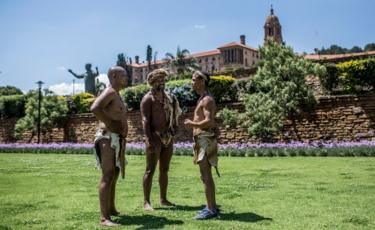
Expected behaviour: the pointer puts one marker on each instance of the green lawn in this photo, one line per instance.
(40, 191)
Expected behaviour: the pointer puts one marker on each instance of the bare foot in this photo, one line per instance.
(108, 223)
(147, 207)
(166, 203)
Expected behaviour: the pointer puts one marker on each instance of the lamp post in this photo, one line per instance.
(74, 86)
(40, 83)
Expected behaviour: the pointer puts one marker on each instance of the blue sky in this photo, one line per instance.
(39, 39)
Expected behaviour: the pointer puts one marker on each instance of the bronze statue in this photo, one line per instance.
(160, 111)
(110, 141)
(205, 141)
(89, 78)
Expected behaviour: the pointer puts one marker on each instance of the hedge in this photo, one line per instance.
(351, 77)
(221, 87)
(12, 106)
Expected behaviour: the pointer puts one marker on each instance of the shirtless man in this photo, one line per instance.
(205, 141)
(159, 111)
(110, 110)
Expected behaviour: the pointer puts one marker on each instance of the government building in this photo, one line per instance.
(235, 54)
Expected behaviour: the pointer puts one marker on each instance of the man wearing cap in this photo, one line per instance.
(160, 111)
(110, 142)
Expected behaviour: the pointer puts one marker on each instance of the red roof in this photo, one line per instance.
(232, 44)
(318, 57)
(206, 53)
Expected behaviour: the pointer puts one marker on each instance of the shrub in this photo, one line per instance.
(357, 75)
(280, 91)
(330, 80)
(83, 101)
(222, 88)
(133, 95)
(12, 106)
(228, 116)
(9, 90)
(53, 114)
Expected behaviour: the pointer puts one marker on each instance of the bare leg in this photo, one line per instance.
(112, 207)
(208, 181)
(152, 156)
(165, 159)
(108, 175)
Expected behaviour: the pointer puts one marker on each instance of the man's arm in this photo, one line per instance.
(75, 75)
(146, 118)
(97, 71)
(98, 109)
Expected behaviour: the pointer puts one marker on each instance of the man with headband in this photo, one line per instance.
(111, 112)
(160, 111)
(205, 141)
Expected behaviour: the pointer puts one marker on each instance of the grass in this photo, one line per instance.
(55, 191)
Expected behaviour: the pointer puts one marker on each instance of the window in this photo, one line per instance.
(213, 59)
(270, 31)
(206, 59)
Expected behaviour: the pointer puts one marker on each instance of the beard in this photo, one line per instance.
(160, 87)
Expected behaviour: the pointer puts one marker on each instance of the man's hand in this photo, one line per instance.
(96, 69)
(188, 123)
(70, 71)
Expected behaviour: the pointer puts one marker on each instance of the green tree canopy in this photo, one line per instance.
(9, 90)
(280, 91)
(181, 62)
(53, 114)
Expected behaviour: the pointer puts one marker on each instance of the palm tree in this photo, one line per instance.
(182, 62)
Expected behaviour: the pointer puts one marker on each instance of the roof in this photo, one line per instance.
(232, 44)
(206, 53)
(322, 57)
(145, 64)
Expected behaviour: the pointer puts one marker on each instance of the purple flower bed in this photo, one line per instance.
(359, 148)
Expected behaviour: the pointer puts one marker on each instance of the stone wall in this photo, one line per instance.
(339, 118)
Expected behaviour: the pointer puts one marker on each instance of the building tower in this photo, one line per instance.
(272, 29)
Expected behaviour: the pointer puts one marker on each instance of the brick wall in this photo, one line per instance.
(335, 118)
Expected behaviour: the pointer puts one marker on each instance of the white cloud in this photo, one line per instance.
(200, 27)
(67, 88)
(103, 78)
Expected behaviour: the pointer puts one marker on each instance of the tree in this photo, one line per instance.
(356, 49)
(280, 91)
(126, 63)
(149, 57)
(53, 114)
(182, 62)
(9, 90)
(369, 47)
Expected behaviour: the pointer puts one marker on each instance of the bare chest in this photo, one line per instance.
(117, 107)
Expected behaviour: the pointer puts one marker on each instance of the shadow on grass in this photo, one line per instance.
(147, 221)
(182, 208)
(244, 217)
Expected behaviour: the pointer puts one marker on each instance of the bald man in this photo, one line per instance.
(110, 141)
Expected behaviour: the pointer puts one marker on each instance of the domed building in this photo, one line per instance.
(272, 29)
